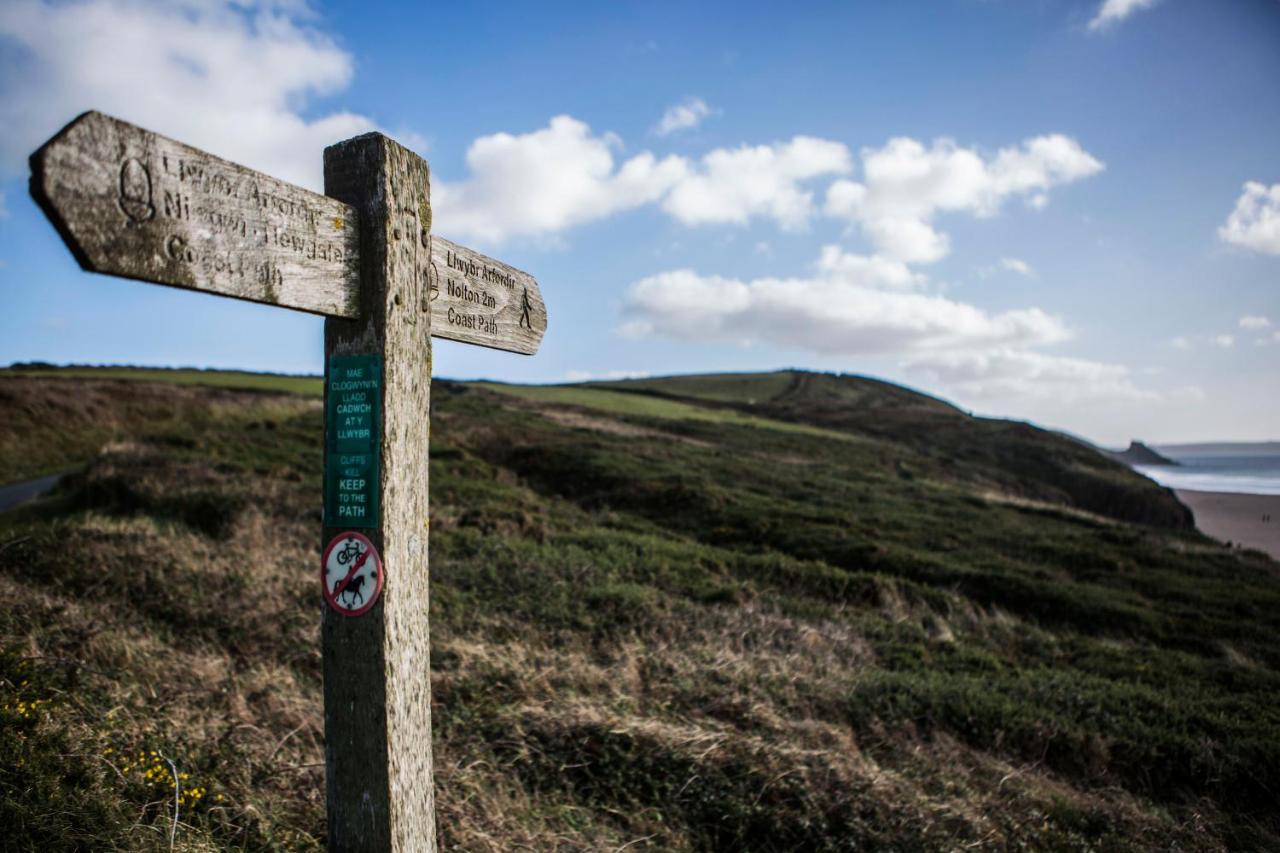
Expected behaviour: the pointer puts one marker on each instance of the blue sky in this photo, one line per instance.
(1062, 211)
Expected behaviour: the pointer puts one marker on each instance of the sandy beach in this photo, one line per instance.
(1237, 518)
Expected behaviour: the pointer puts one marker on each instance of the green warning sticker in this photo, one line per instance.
(352, 440)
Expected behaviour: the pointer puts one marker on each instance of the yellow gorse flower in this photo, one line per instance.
(24, 709)
(154, 771)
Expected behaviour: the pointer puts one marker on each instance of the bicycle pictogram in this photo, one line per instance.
(349, 551)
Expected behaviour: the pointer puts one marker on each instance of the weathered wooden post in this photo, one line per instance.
(132, 203)
(377, 680)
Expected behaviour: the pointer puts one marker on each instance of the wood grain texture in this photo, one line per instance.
(132, 203)
(479, 300)
(377, 681)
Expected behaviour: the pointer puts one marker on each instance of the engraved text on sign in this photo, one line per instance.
(137, 204)
(479, 300)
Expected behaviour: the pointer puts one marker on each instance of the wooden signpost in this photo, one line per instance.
(132, 203)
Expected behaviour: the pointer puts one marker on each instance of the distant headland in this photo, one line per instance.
(1139, 454)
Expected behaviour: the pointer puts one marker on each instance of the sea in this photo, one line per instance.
(1245, 468)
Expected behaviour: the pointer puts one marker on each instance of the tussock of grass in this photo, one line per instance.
(667, 631)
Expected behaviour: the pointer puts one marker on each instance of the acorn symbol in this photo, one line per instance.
(135, 191)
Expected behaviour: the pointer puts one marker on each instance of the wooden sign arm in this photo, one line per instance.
(135, 204)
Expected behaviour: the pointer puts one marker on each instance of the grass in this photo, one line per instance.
(239, 380)
(720, 387)
(72, 418)
(643, 406)
(654, 623)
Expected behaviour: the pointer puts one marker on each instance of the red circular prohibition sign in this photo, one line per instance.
(351, 574)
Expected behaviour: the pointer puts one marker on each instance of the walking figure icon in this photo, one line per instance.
(525, 321)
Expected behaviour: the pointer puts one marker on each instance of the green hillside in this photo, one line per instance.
(240, 380)
(1011, 455)
(784, 611)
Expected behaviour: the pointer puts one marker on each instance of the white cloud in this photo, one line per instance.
(1255, 222)
(1025, 374)
(1017, 266)
(1181, 343)
(542, 182)
(1112, 12)
(874, 271)
(687, 114)
(1254, 322)
(1013, 265)
(226, 76)
(853, 304)
(906, 184)
(732, 185)
(1224, 341)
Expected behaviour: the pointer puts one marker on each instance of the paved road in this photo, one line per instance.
(19, 493)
